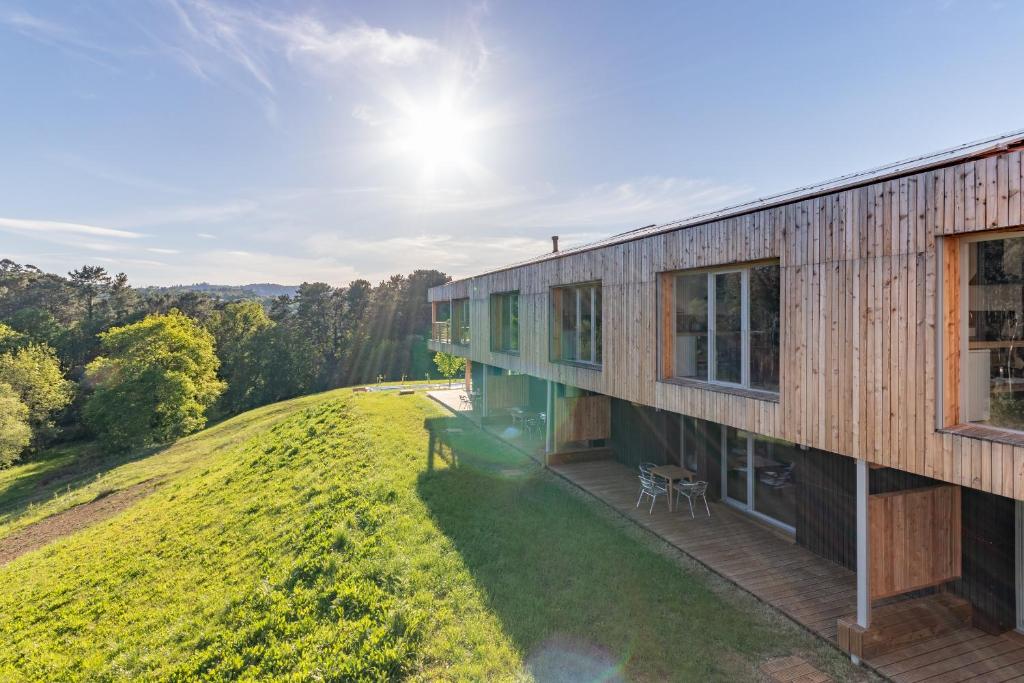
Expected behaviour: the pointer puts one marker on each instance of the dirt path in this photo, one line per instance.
(65, 523)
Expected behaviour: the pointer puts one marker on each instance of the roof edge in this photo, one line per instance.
(925, 162)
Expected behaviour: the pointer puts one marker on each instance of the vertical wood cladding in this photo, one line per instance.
(860, 296)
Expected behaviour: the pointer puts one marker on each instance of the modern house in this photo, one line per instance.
(844, 363)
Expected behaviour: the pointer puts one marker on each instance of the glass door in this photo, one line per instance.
(735, 466)
(758, 476)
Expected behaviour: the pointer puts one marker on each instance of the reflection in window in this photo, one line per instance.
(576, 313)
(773, 465)
(995, 332)
(764, 327)
(727, 326)
(460, 321)
(691, 359)
(505, 322)
(736, 464)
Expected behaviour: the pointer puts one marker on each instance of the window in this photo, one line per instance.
(460, 322)
(992, 331)
(759, 475)
(727, 326)
(505, 322)
(576, 323)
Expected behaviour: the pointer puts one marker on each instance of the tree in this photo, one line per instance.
(15, 433)
(449, 365)
(90, 282)
(32, 373)
(153, 382)
(237, 330)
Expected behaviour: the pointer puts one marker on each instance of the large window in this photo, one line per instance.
(460, 322)
(505, 322)
(576, 323)
(992, 331)
(727, 326)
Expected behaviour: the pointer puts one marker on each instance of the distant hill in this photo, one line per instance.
(258, 290)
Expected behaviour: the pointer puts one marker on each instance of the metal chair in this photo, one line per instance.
(650, 486)
(464, 402)
(693, 489)
(646, 467)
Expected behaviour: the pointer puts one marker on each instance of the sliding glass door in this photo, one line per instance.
(758, 476)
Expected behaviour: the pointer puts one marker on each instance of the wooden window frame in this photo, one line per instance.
(953, 341)
(555, 323)
(667, 295)
(496, 322)
(456, 338)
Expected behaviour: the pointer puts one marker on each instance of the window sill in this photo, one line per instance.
(756, 394)
(507, 352)
(986, 433)
(578, 364)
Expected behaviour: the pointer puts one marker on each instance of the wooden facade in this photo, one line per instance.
(865, 313)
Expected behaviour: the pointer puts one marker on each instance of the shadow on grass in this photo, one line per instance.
(61, 469)
(581, 598)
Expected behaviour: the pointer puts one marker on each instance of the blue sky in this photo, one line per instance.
(218, 140)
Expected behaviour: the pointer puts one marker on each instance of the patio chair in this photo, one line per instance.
(646, 467)
(649, 486)
(464, 402)
(693, 489)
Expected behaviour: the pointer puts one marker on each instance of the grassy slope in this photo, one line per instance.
(332, 545)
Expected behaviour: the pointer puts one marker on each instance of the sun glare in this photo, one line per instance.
(438, 139)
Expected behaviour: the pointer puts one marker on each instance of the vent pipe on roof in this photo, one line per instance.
(554, 244)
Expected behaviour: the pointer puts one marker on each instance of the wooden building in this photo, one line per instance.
(845, 361)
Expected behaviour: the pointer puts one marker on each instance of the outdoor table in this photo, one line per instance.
(518, 415)
(672, 474)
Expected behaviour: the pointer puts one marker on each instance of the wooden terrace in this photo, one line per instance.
(809, 589)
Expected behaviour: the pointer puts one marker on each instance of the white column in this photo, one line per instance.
(549, 420)
(863, 551)
(485, 370)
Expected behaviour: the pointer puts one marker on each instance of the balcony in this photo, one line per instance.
(441, 331)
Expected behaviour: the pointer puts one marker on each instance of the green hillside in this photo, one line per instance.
(317, 539)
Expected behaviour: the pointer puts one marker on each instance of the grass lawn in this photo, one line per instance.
(329, 538)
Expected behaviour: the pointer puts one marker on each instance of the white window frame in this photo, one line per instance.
(712, 378)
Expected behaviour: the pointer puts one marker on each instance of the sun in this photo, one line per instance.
(438, 138)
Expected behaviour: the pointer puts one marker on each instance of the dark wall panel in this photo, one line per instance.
(826, 512)
(988, 559)
(642, 434)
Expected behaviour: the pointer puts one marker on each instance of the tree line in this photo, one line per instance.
(89, 355)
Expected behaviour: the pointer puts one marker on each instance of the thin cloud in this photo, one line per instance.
(49, 227)
(161, 250)
(206, 236)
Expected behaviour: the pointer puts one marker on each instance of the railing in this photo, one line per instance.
(441, 331)
(462, 335)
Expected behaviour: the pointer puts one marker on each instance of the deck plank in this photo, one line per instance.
(807, 588)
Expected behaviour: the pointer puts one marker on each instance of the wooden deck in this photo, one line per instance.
(809, 589)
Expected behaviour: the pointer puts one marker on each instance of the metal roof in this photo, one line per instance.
(916, 164)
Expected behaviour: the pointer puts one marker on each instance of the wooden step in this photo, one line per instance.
(792, 669)
(566, 457)
(898, 624)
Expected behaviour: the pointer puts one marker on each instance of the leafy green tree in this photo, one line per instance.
(33, 374)
(237, 330)
(448, 365)
(15, 433)
(154, 382)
